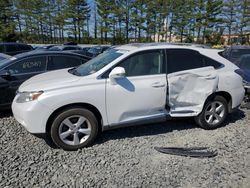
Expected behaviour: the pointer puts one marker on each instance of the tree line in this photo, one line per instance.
(123, 21)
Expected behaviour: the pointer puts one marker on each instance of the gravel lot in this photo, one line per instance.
(126, 158)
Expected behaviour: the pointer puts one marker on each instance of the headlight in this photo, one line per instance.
(28, 96)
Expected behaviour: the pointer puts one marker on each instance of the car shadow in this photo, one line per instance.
(176, 124)
(6, 113)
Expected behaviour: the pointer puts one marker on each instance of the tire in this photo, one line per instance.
(74, 128)
(212, 116)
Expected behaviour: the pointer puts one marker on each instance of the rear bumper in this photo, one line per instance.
(32, 115)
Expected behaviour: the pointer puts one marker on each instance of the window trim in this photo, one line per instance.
(102, 76)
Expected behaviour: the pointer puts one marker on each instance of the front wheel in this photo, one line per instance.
(214, 113)
(74, 128)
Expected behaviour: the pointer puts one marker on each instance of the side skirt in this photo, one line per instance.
(157, 119)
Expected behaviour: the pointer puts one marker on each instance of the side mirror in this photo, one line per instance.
(117, 72)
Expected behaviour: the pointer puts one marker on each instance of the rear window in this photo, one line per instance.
(183, 59)
(12, 48)
(210, 62)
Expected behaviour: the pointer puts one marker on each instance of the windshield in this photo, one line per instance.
(5, 62)
(236, 53)
(245, 63)
(97, 63)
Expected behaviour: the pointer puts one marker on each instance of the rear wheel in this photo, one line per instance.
(74, 128)
(214, 113)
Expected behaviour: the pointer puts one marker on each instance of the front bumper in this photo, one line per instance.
(32, 115)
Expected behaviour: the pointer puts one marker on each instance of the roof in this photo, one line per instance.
(135, 46)
(14, 43)
(37, 52)
(240, 47)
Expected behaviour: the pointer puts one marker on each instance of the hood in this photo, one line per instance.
(48, 81)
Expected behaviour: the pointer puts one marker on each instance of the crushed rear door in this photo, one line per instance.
(189, 89)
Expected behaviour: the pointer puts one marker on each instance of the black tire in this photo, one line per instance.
(58, 125)
(201, 119)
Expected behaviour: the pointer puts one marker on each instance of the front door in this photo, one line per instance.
(141, 95)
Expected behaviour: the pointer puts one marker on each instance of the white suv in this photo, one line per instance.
(129, 85)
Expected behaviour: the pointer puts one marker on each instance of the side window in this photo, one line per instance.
(183, 59)
(22, 47)
(210, 62)
(61, 62)
(11, 48)
(28, 65)
(1, 48)
(146, 63)
(69, 48)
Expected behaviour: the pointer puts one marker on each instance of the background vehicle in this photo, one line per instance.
(17, 69)
(129, 85)
(96, 50)
(69, 48)
(44, 48)
(65, 48)
(85, 50)
(244, 71)
(14, 48)
(4, 56)
(234, 53)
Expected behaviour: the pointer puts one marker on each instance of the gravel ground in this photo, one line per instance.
(126, 158)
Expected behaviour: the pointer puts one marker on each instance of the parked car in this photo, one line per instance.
(234, 53)
(244, 71)
(4, 56)
(65, 48)
(95, 51)
(17, 69)
(85, 50)
(14, 48)
(129, 85)
(45, 47)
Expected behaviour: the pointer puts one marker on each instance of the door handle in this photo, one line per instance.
(158, 84)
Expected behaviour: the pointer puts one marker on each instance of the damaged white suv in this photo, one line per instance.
(129, 85)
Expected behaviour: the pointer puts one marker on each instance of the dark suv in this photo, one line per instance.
(14, 48)
(234, 53)
(15, 70)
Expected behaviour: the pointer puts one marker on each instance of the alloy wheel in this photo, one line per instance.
(214, 112)
(74, 130)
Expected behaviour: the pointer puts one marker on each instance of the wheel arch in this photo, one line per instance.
(87, 106)
(223, 94)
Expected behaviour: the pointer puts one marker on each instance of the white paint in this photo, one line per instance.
(188, 90)
(131, 98)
